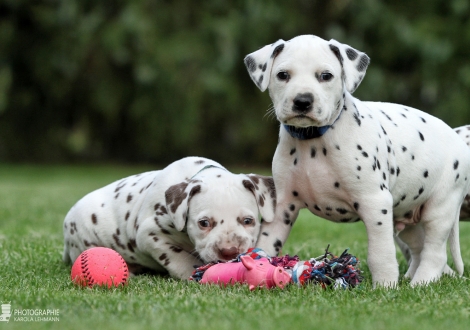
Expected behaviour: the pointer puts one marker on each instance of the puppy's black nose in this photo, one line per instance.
(303, 102)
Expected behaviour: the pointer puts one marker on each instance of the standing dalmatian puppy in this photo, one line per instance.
(396, 168)
(192, 212)
(464, 133)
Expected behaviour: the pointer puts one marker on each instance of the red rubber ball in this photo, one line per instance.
(100, 266)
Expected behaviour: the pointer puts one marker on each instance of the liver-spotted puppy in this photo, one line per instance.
(192, 212)
(395, 167)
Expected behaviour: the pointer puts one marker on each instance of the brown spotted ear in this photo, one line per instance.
(260, 63)
(262, 187)
(353, 62)
(177, 199)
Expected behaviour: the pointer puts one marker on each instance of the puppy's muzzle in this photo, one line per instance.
(303, 103)
(228, 254)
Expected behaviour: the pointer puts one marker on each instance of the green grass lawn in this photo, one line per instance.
(34, 201)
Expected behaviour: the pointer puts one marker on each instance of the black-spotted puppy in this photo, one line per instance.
(464, 133)
(192, 212)
(394, 167)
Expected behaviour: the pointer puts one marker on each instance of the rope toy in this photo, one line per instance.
(257, 269)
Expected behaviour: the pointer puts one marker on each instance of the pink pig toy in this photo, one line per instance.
(255, 273)
(257, 269)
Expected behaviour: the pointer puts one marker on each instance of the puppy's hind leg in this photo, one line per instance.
(438, 225)
(413, 237)
(454, 244)
(404, 249)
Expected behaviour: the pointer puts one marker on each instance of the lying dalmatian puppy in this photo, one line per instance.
(345, 160)
(192, 212)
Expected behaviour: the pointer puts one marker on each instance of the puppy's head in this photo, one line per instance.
(220, 211)
(307, 78)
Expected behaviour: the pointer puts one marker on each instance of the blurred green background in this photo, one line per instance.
(150, 81)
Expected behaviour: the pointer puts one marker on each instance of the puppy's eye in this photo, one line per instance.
(283, 75)
(247, 221)
(204, 223)
(326, 76)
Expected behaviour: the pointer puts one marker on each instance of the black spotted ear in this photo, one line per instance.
(262, 187)
(260, 63)
(353, 62)
(177, 199)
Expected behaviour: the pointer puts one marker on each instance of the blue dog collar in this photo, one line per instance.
(310, 132)
(306, 133)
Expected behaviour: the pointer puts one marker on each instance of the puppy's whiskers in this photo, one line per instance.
(271, 112)
(194, 253)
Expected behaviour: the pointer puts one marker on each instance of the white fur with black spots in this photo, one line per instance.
(399, 170)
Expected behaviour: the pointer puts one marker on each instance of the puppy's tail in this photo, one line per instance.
(66, 255)
(454, 245)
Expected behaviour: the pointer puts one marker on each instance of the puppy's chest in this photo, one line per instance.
(317, 180)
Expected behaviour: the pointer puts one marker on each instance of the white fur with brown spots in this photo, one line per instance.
(192, 212)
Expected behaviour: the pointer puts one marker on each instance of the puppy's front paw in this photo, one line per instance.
(386, 284)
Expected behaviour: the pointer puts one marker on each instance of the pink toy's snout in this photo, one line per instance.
(280, 277)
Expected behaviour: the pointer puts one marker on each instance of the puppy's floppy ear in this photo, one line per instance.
(262, 187)
(353, 62)
(260, 63)
(177, 199)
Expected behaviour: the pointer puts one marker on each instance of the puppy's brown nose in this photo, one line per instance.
(230, 253)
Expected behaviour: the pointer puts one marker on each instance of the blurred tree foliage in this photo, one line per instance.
(153, 80)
